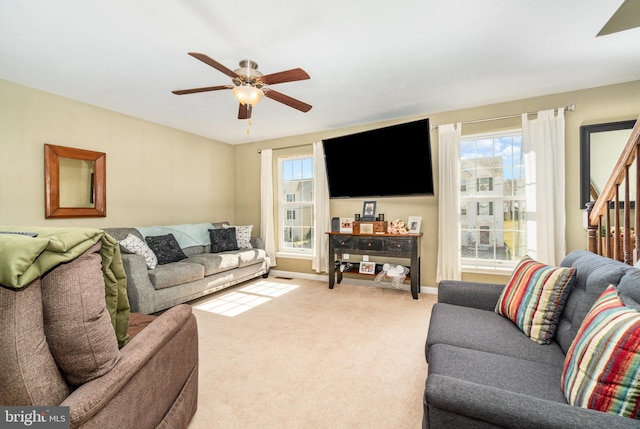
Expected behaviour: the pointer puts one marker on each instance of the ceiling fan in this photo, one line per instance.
(249, 85)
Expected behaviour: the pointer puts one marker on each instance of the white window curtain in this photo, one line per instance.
(449, 202)
(543, 148)
(267, 228)
(322, 216)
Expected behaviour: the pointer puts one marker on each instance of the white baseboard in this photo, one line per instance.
(325, 277)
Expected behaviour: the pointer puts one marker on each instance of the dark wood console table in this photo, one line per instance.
(389, 245)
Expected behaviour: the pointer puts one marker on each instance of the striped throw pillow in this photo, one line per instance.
(534, 298)
(602, 367)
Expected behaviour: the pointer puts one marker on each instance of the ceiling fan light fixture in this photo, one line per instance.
(247, 94)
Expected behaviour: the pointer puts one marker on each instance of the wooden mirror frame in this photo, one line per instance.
(52, 209)
(585, 154)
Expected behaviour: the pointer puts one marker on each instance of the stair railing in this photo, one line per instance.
(604, 238)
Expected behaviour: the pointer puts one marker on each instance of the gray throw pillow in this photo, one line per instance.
(223, 240)
(166, 248)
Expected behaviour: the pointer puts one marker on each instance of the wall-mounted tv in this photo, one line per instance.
(392, 161)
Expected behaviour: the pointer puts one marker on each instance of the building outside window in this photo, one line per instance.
(492, 201)
(296, 205)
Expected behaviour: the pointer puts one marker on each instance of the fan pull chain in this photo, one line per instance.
(249, 127)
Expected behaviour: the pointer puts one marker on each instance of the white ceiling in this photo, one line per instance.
(369, 61)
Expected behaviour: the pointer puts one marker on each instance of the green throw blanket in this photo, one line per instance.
(24, 258)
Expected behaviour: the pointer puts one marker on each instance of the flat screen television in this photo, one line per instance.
(392, 161)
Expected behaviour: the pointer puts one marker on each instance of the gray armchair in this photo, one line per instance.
(59, 347)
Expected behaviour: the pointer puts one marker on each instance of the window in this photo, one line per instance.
(296, 205)
(492, 201)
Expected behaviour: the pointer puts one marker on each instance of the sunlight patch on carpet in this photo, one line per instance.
(248, 297)
(269, 288)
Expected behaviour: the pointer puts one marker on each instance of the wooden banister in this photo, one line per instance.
(616, 242)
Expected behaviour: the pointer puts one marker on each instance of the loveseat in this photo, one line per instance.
(69, 340)
(484, 371)
(198, 269)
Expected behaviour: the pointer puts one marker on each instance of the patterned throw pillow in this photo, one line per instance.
(134, 245)
(534, 298)
(243, 235)
(166, 248)
(602, 365)
(223, 239)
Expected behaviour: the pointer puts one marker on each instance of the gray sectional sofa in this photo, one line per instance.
(201, 273)
(483, 372)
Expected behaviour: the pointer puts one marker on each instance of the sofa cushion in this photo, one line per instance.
(29, 374)
(196, 250)
(76, 320)
(135, 245)
(175, 273)
(223, 240)
(250, 256)
(243, 235)
(594, 274)
(484, 330)
(216, 262)
(498, 371)
(628, 289)
(534, 298)
(601, 369)
(166, 248)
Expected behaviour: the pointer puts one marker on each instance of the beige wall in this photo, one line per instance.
(155, 174)
(159, 175)
(597, 105)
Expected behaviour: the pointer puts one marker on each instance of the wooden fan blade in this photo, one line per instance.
(289, 101)
(203, 89)
(285, 76)
(245, 111)
(213, 63)
(626, 17)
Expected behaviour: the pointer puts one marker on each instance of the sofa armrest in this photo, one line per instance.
(502, 408)
(140, 290)
(483, 296)
(152, 371)
(257, 243)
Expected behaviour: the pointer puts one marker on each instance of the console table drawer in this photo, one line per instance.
(342, 242)
(371, 243)
(400, 246)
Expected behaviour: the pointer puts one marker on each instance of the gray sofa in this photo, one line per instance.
(202, 273)
(483, 372)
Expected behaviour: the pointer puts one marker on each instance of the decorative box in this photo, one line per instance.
(370, 227)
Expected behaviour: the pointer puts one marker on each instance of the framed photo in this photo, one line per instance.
(369, 210)
(414, 224)
(346, 225)
(366, 228)
(367, 268)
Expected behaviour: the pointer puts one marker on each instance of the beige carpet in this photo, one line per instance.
(310, 357)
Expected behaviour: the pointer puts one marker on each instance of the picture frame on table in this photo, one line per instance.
(369, 210)
(366, 228)
(367, 267)
(414, 223)
(346, 225)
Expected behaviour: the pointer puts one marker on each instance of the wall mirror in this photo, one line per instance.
(600, 148)
(74, 182)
